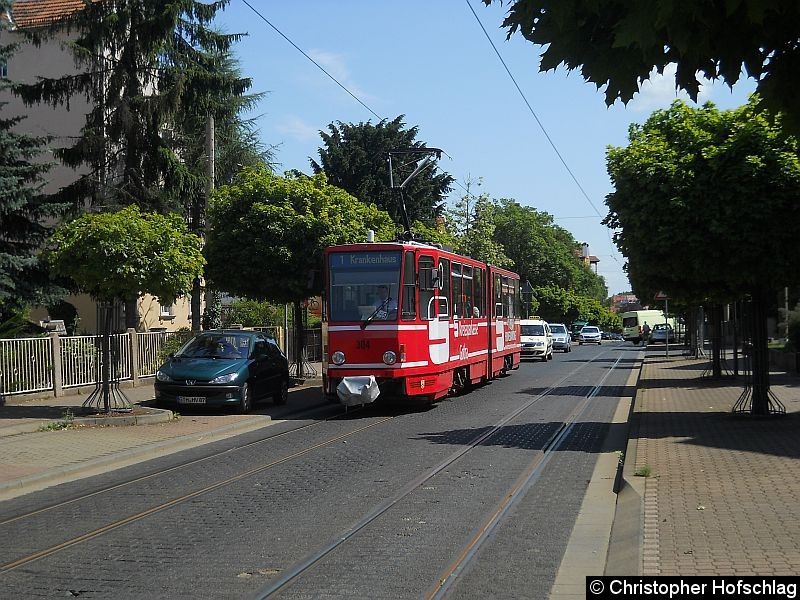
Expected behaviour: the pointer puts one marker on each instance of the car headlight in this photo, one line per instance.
(225, 378)
(389, 357)
(161, 376)
(338, 358)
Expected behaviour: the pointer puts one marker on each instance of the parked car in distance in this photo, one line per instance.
(536, 338)
(662, 333)
(562, 340)
(589, 335)
(224, 368)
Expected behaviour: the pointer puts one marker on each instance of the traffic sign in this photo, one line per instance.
(661, 296)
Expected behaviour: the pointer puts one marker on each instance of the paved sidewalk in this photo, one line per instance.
(723, 494)
(32, 459)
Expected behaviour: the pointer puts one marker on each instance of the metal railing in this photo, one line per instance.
(31, 364)
(26, 365)
(153, 348)
(80, 360)
(313, 345)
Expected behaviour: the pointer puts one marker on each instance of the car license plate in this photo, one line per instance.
(191, 400)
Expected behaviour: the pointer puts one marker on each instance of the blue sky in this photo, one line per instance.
(430, 61)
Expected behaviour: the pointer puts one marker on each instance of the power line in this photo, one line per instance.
(336, 81)
(535, 116)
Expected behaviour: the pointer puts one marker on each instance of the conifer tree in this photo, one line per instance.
(140, 62)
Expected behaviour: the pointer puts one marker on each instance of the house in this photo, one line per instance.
(61, 124)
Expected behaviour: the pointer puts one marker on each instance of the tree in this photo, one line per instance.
(565, 306)
(269, 234)
(478, 234)
(543, 252)
(618, 43)
(140, 62)
(707, 204)
(354, 159)
(25, 210)
(113, 256)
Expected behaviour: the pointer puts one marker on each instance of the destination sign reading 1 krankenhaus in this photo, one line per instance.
(365, 260)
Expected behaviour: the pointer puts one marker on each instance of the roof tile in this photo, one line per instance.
(40, 13)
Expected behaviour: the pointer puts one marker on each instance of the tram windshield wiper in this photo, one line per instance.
(369, 319)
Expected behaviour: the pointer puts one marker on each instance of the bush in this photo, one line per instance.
(251, 313)
(173, 343)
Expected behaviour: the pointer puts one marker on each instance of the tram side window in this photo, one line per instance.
(409, 308)
(456, 276)
(497, 296)
(426, 288)
(477, 296)
(444, 291)
(506, 297)
(517, 299)
(467, 302)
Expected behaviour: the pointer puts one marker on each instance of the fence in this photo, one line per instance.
(55, 363)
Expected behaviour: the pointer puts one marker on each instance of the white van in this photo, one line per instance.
(634, 320)
(537, 339)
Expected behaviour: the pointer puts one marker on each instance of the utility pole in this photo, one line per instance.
(199, 220)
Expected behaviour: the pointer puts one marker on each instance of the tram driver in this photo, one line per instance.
(385, 305)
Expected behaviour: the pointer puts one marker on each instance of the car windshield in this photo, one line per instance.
(217, 345)
(558, 329)
(590, 330)
(532, 330)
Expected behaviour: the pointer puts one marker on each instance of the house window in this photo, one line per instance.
(167, 312)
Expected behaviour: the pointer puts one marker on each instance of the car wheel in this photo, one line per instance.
(282, 395)
(246, 402)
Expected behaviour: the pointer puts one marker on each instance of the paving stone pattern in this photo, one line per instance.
(723, 496)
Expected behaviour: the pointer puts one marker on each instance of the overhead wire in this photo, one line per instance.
(533, 112)
(536, 117)
(377, 116)
(320, 67)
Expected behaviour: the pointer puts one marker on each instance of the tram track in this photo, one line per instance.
(180, 499)
(184, 465)
(519, 488)
(222, 483)
(451, 576)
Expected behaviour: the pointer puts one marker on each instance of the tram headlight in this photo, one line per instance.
(338, 358)
(389, 357)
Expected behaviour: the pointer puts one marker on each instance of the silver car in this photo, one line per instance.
(590, 335)
(561, 337)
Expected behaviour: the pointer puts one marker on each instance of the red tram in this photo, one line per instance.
(446, 323)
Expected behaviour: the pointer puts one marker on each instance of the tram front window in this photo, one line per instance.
(364, 285)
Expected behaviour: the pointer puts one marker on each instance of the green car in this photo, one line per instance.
(224, 368)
